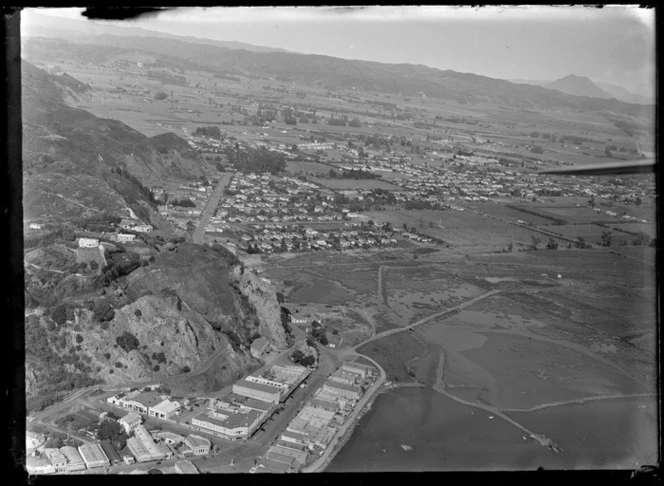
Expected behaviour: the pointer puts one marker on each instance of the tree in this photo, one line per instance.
(552, 244)
(607, 152)
(510, 246)
(114, 432)
(59, 315)
(535, 242)
(103, 311)
(606, 238)
(127, 341)
(160, 95)
(591, 202)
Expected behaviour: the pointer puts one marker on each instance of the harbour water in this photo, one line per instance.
(443, 435)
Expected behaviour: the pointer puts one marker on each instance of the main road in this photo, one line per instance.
(199, 234)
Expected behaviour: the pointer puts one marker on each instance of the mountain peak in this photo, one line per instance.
(578, 86)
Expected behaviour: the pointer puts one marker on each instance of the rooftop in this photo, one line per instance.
(92, 452)
(149, 399)
(197, 441)
(167, 406)
(258, 387)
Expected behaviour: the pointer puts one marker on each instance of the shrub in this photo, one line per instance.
(79, 338)
(138, 313)
(59, 315)
(127, 341)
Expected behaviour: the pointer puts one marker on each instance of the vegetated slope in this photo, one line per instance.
(331, 72)
(578, 86)
(136, 320)
(69, 154)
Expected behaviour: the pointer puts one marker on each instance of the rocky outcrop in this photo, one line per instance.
(263, 296)
(170, 338)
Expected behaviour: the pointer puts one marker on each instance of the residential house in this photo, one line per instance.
(88, 242)
(130, 421)
(200, 446)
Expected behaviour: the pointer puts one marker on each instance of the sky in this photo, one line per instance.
(614, 44)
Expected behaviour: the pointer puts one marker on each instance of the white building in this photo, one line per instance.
(165, 409)
(88, 242)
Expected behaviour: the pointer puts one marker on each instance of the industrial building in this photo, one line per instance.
(341, 389)
(355, 367)
(93, 455)
(229, 424)
(74, 459)
(259, 391)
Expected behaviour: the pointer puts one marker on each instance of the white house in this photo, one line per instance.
(88, 242)
(125, 237)
(35, 226)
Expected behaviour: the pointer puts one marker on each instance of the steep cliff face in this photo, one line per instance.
(169, 336)
(263, 296)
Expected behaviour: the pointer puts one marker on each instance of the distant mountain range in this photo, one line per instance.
(583, 86)
(97, 46)
(71, 29)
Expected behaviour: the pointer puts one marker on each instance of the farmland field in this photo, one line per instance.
(502, 211)
(295, 167)
(465, 229)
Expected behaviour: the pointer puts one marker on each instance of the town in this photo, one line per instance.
(188, 431)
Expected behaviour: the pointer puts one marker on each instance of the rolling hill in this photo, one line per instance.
(71, 157)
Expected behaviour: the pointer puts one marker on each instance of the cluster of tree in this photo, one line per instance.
(66, 234)
(127, 341)
(184, 203)
(40, 346)
(606, 238)
(356, 174)
(252, 249)
(103, 311)
(115, 270)
(581, 243)
(418, 204)
(318, 332)
(145, 191)
(228, 255)
(300, 358)
(536, 149)
(256, 160)
(211, 132)
(114, 432)
(160, 96)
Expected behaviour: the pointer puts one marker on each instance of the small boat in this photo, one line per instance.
(406, 447)
(490, 417)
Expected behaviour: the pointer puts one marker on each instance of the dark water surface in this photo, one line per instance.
(448, 436)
